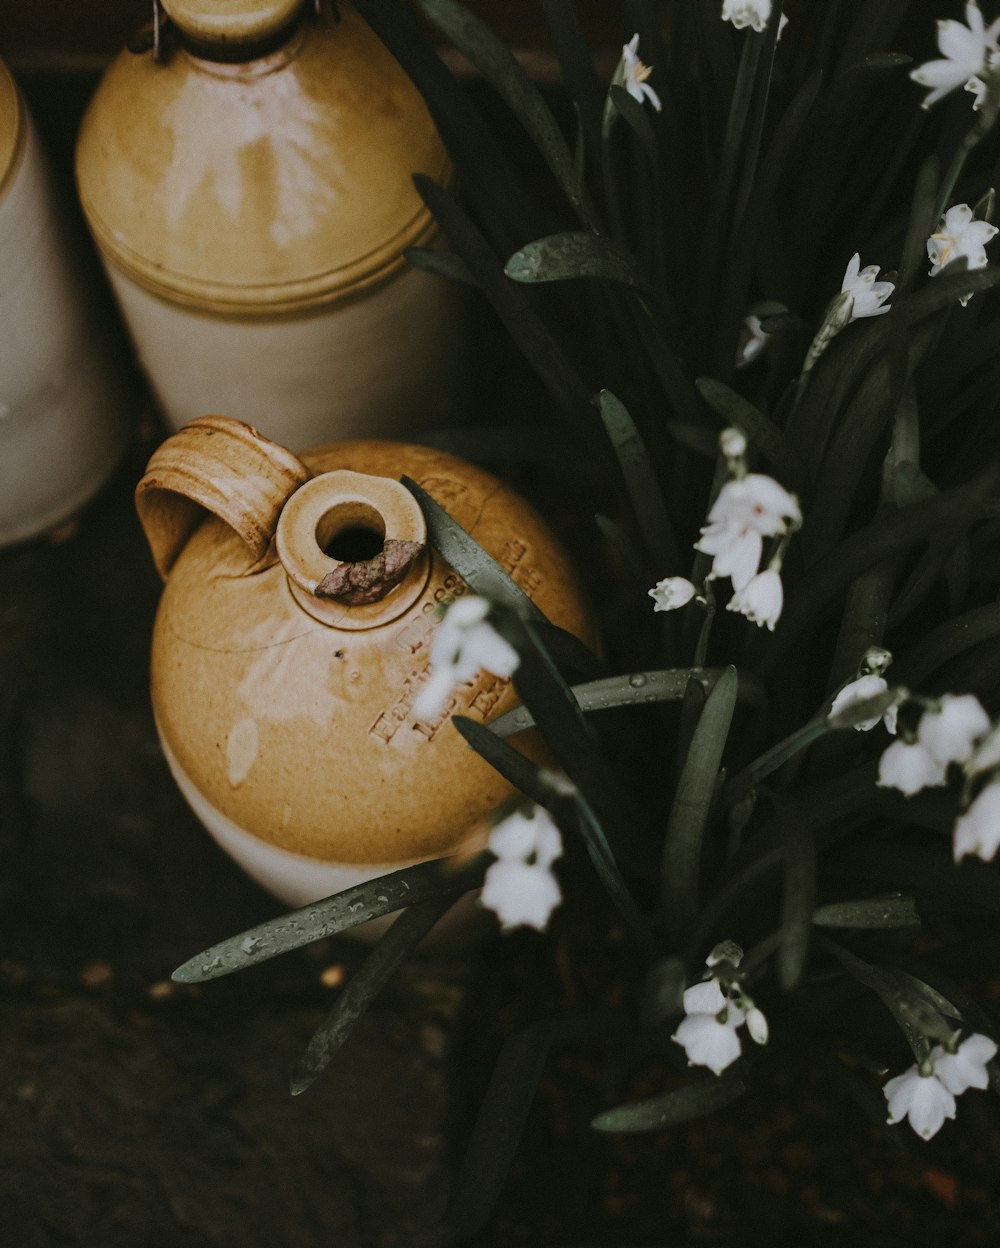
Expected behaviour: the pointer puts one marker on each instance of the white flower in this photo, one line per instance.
(908, 767)
(922, 1098)
(463, 645)
(757, 1025)
(868, 296)
(861, 690)
(760, 600)
(704, 998)
(708, 1042)
(523, 836)
(966, 50)
(978, 830)
(671, 593)
(977, 86)
(745, 511)
(520, 887)
(966, 1067)
(636, 74)
(520, 894)
(753, 340)
(959, 234)
(950, 731)
(987, 753)
(742, 13)
(733, 443)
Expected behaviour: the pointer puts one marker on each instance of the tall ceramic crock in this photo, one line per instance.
(62, 403)
(285, 715)
(250, 192)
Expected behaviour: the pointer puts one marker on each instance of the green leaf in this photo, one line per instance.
(692, 804)
(364, 986)
(633, 689)
(656, 1113)
(504, 1110)
(521, 772)
(947, 642)
(640, 481)
(495, 61)
(475, 566)
(637, 119)
(871, 913)
(560, 257)
(525, 326)
(371, 900)
(440, 262)
(798, 897)
(733, 409)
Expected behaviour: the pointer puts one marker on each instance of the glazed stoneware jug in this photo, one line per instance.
(285, 712)
(62, 401)
(249, 187)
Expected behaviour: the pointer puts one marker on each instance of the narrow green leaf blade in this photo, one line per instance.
(498, 1129)
(344, 910)
(692, 803)
(873, 913)
(440, 262)
(640, 482)
(561, 257)
(656, 1113)
(364, 986)
(495, 61)
(479, 570)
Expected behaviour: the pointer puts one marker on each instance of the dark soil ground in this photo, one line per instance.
(135, 1113)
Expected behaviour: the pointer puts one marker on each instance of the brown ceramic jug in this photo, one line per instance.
(286, 716)
(250, 189)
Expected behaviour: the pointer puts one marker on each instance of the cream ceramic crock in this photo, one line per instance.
(285, 707)
(250, 191)
(62, 404)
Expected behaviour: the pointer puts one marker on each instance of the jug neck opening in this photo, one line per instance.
(353, 548)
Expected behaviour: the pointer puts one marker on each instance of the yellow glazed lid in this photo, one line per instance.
(11, 126)
(271, 185)
(231, 21)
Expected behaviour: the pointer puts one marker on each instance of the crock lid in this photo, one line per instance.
(11, 125)
(230, 21)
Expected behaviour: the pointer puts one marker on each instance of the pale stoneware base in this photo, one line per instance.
(373, 366)
(298, 880)
(62, 408)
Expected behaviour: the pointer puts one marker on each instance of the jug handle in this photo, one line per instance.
(218, 465)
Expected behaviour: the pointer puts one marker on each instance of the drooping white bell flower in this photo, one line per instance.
(520, 894)
(760, 600)
(753, 340)
(463, 644)
(704, 998)
(907, 766)
(520, 887)
(746, 510)
(986, 755)
(959, 234)
(707, 1041)
(635, 75)
(868, 297)
(526, 835)
(860, 690)
(672, 592)
(966, 1067)
(965, 51)
(752, 13)
(977, 86)
(922, 1098)
(949, 731)
(977, 832)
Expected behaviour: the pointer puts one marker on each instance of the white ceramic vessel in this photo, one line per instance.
(62, 402)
